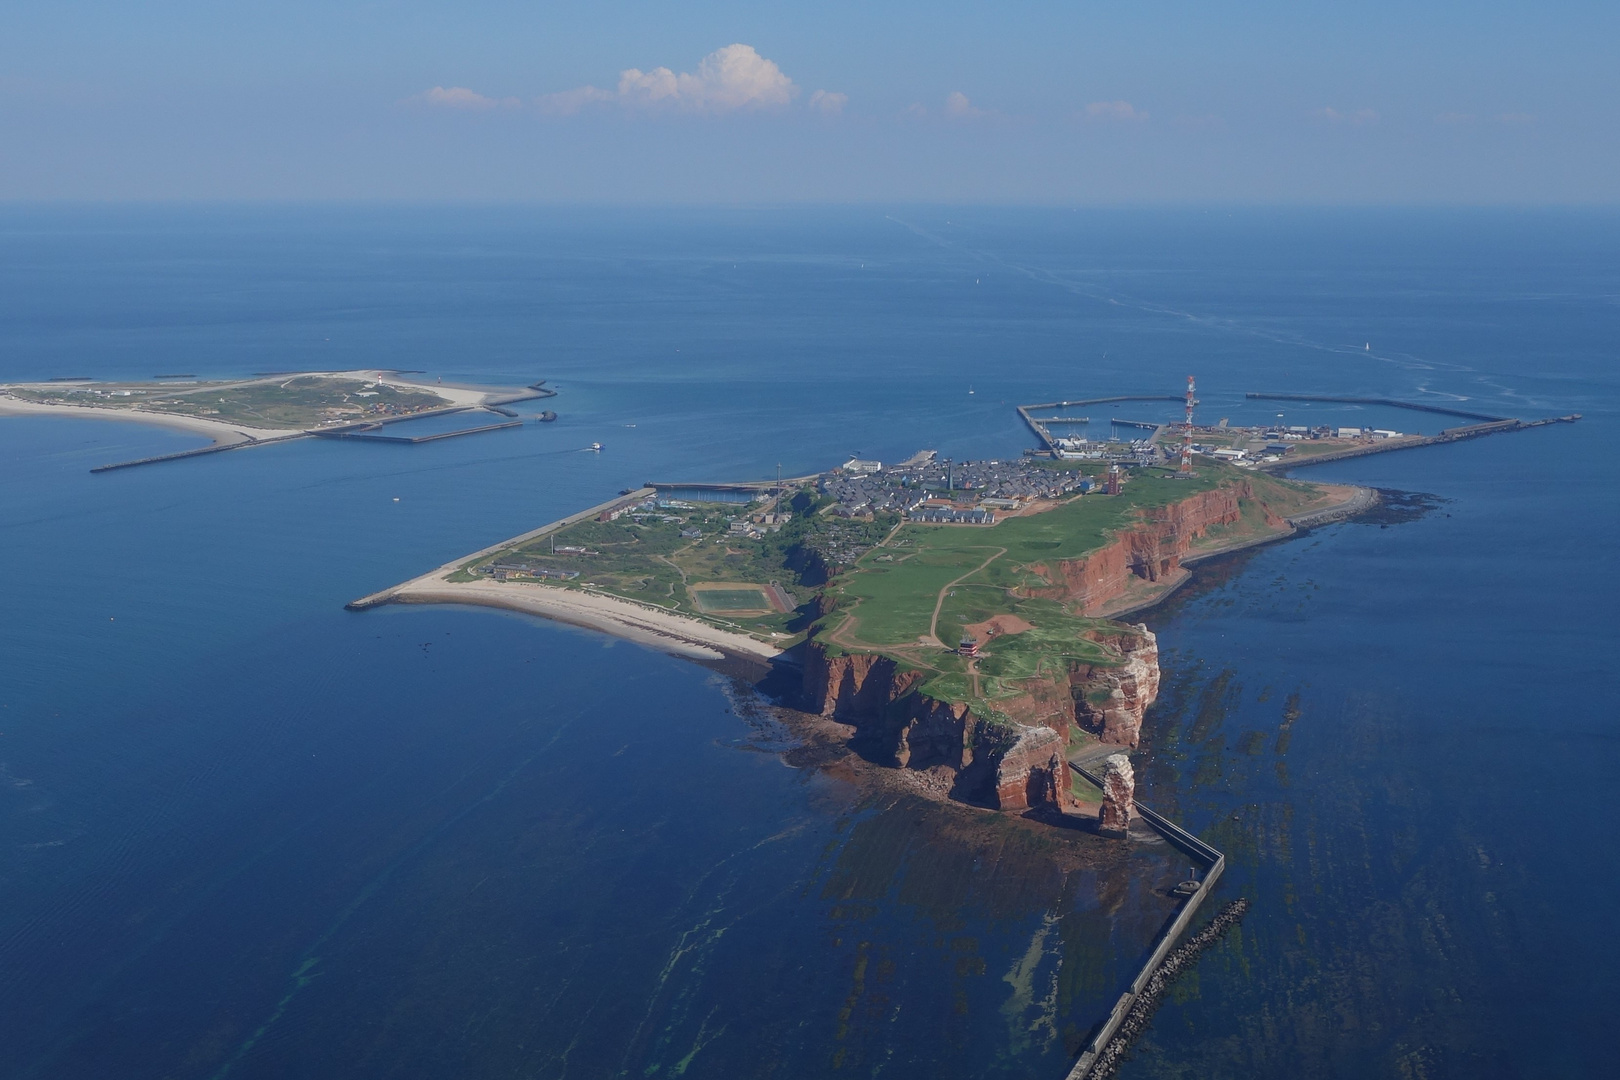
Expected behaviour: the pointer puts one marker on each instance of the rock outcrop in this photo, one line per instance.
(1033, 771)
(1110, 700)
(997, 762)
(1012, 761)
(1119, 797)
(1151, 549)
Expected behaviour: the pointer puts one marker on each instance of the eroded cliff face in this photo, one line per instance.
(1011, 766)
(1119, 797)
(1109, 701)
(1150, 550)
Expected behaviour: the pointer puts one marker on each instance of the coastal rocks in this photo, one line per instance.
(1119, 797)
(1150, 550)
(1110, 700)
(1001, 762)
(1033, 771)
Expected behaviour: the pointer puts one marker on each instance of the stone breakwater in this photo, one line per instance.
(1181, 959)
(1012, 765)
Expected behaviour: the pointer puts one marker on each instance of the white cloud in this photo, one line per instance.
(958, 107)
(1122, 111)
(569, 102)
(735, 77)
(828, 103)
(459, 97)
(1359, 118)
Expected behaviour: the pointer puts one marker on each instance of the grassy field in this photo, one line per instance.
(888, 603)
(294, 403)
(645, 558)
(905, 590)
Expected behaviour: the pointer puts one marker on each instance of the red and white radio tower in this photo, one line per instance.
(1186, 432)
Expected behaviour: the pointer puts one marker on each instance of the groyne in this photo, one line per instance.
(1141, 987)
(216, 448)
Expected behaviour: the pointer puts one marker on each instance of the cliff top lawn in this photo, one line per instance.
(913, 597)
(909, 595)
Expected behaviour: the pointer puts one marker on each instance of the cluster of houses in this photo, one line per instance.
(942, 491)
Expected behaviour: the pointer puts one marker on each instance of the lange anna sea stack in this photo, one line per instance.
(1119, 791)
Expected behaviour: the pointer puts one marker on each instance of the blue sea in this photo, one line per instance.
(247, 833)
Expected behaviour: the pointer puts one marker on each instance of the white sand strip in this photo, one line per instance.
(623, 618)
(219, 431)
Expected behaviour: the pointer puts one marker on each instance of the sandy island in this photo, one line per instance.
(225, 433)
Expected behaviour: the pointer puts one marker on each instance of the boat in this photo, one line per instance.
(595, 447)
(545, 417)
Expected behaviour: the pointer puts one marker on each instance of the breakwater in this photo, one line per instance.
(1417, 406)
(368, 436)
(217, 448)
(1411, 442)
(1136, 1021)
(1215, 863)
(1038, 424)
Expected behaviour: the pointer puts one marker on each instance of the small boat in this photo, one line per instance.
(970, 391)
(545, 417)
(595, 447)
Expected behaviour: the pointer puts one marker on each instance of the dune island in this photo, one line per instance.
(271, 408)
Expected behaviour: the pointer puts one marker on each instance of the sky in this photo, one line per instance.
(613, 101)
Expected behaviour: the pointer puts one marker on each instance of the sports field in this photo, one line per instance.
(732, 599)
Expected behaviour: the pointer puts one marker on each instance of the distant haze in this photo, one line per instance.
(730, 102)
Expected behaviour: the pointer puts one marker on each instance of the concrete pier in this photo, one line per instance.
(1214, 863)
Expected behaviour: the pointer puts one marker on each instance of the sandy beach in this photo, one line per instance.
(661, 630)
(221, 433)
(224, 433)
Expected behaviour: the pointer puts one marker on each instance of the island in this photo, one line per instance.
(270, 408)
(965, 620)
(964, 628)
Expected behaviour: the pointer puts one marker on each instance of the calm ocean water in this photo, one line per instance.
(246, 833)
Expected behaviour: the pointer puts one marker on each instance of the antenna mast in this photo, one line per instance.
(1186, 433)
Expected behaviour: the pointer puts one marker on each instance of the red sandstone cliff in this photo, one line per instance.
(1109, 701)
(1009, 765)
(1150, 549)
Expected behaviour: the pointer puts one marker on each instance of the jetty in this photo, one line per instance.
(1138, 993)
(1037, 424)
(1485, 424)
